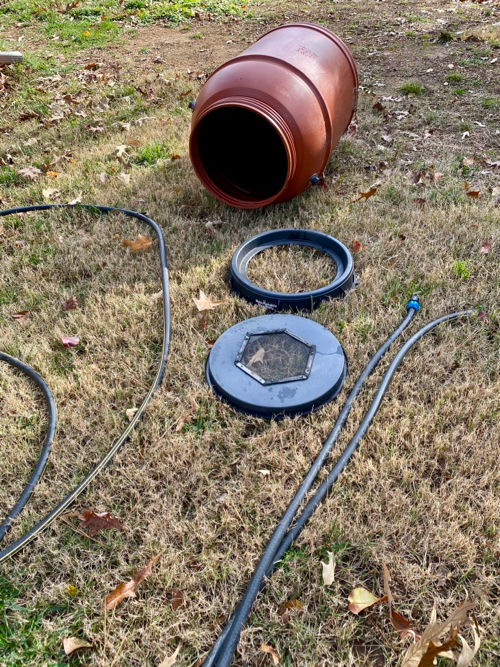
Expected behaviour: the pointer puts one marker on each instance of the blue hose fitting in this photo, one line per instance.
(414, 303)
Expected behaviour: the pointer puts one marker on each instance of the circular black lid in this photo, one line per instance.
(344, 279)
(276, 365)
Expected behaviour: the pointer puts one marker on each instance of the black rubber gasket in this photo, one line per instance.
(239, 281)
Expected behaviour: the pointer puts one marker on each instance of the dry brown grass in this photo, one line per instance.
(423, 491)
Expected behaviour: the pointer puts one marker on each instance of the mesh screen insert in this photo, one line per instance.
(276, 356)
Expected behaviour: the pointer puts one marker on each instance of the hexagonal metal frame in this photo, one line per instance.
(256, 376)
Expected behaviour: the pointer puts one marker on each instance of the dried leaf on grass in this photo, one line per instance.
(184, 419)
(170, 659)
(21, 316)
(127, 590)
(140, 243)
(399, 623)
(360, 599)
(204, 303)
(70, 341)
(124, 178)
(71, 303)
(329, 570)
(177, 599)
(365, 195)
(485, 248)
(71, 644)
(49, 193)
(130, 413)
(467, 653)
(356, 246)
(94, 522)
(269, 649)
(428, 659)
(31, 173)
(285, 607)
(432, 635)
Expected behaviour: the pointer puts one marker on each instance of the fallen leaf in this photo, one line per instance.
(140, 243)
(483, 316)
(170, 660)
(71, 303)
(378, 106)
(360, 599)
(269, 649)
(289, 604)
(130, 413)
(177, 599)
(403, 626)
(124, 178)
(467, 653)
(432, 635)
(71, 590)
(174, 156)
(70, 341)
(71, 644)
(285, 608)
(329, 570)
(52, 174)
(428, 659)
(183, 420)
(94, 522)
(485, 248)
(74, 202)
(204, 303)
(21, 316)
(356, 246)
(258, 357)
(32, 173)
(121, 150)
(472, 193)
(365, 195)
(127, 590)
(48, 193)
(420, 202)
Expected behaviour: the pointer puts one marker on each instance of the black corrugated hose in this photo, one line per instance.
(63, 505)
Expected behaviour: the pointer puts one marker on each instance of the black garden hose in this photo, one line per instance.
(44, 455)
(64, 504)
(222, 652)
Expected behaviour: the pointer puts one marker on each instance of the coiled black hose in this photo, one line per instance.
(62, 506)
(223, 650)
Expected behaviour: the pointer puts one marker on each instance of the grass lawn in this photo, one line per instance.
(98, 110)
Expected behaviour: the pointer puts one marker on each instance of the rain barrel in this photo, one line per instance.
(265, 123)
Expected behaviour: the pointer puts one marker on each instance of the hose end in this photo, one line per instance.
(414, 303)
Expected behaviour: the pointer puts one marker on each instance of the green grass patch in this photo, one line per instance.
(412, 88)
(100, 17)
(461, 268)
(454, 78)
(491, 103)
(24, 637)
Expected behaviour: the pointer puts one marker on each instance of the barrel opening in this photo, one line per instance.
(242, 154)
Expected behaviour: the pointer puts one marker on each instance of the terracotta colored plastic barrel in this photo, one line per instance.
(265, 123)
